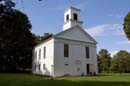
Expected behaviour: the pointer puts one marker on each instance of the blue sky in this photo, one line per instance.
(102, 19)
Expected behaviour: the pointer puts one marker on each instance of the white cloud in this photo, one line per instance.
(106, 29)
(97, 30)
(116, 51)
(116, 16)
(126, 42)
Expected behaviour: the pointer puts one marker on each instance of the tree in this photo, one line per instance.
(104, 60)
(121, 62)
(46, 36)
(16, 39)
(127, 25)
(39, 39)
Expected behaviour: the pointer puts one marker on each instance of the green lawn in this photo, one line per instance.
(34, 80)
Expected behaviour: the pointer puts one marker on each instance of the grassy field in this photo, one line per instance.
(34, 80)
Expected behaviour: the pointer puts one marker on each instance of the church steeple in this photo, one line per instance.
(71, 18)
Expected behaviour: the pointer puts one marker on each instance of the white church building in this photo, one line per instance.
(71, 52)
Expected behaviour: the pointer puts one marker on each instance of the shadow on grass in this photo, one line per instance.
(73, 83)
(49, 82)
(32, 80)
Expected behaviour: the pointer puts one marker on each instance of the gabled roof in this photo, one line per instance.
(65, 31)
(48, 39)
(78, 27)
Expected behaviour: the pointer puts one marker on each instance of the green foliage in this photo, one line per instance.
(121, 62)
(39, 39)
(127, 25)
(16, 39)
(46, 36)
(104, 60)
(33, 80)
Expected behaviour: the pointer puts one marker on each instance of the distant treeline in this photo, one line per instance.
(119, 63)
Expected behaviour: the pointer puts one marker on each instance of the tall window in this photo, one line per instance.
(75, 16)
(39, 54)
(67, 17)
(44, 52)
(44, 66)
(35, 67)
(66, 50)
(35, 55)
(39, 67)
(87, 52)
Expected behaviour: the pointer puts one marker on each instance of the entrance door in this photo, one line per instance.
(66, 69)
(88, 67)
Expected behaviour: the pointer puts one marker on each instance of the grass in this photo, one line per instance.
(34, 80)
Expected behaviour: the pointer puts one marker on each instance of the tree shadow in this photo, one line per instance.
(55, 82)
(33, 80)
(81, 83)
